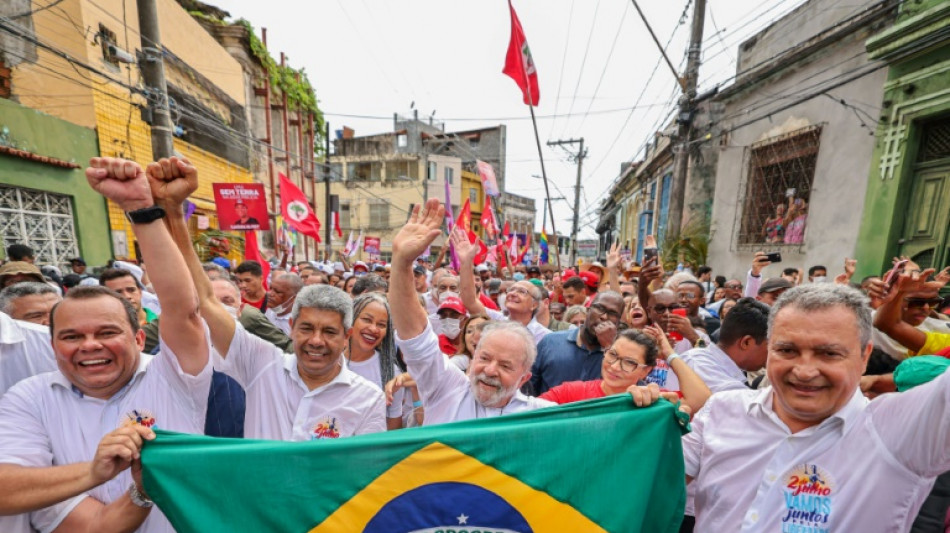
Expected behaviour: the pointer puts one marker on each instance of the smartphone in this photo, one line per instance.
(790, 192)
(649, 253)
(774, 257)
(676, 336)
(892, 275)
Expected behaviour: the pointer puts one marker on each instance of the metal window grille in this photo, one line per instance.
(779, 169)
(935, 141)
(379, 215)
(40, 219)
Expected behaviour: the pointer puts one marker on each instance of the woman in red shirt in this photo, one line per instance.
(626, 363)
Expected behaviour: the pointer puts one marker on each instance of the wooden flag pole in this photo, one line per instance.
(547, 191)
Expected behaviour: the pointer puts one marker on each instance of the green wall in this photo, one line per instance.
(46, 135)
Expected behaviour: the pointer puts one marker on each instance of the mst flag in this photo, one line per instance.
(519, 65)
(296, 210)
(599, 465)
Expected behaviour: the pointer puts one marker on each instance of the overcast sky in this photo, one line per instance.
(595, 61)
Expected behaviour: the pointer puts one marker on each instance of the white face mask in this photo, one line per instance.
(819, 279)
(283, 308)
(450, 327)
(231, 310)
(501, 301)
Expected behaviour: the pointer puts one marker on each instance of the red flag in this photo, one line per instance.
(519, 65)
(253, 253)
(488, 219)
(336, 224)
(507, 230)
(465, 216)
(296, 210)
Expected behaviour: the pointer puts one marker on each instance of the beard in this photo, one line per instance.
(501, 395)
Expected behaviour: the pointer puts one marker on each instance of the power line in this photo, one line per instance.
(610, 54)
(580, 74)
(485, 119)
(28, 13)
(560, 79)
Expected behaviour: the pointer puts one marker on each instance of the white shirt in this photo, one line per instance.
(895, 349)
(445, 390)
(370, 371)
(25, 351)
(718, 370)
(876, 462)
(150, 301)
(281, 321)
(280, 406)
(45, 421)
(534, 327)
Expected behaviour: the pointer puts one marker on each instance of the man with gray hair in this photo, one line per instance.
(810, 452)
(304, 395)
(501, 363)
(29, 301)
(280, 299)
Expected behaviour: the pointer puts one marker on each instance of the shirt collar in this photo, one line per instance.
(345, 377)
(846, 416)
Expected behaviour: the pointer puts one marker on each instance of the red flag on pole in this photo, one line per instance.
(488, 219)
(336, 224)
(253, 253)
(465, 216)
(296, 210)
(519, 64)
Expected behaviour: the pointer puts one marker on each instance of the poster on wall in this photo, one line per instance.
(241, 206)
(371, 247)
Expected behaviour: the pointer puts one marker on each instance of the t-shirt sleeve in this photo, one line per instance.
(24, 439)
(429, 367)
(935, 342)
(693, 441)
(915, 426)
(559, 394)
(49, 518)
(248, 357)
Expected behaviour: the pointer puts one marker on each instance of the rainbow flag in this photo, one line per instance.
(544, 247)
(599, 465)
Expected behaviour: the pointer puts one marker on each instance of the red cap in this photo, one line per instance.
(568, 273)
(454, 304)
(590, 279)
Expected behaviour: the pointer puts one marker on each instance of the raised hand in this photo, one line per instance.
(650, 271)
(759, 262)
(423, 227)
(943, 277)
(613, 256)
(465, 250)
(172, 180)
(121, 181)
(117, 451)
(661, 339)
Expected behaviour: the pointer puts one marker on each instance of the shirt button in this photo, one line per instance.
(754, 517)
(771, 478)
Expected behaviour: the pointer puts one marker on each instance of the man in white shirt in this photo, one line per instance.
(810, 453)
(742, 348)
(29, 301)
(280, 300)
(501, 363)
(305, 395)
(59, 445)
(522, 299)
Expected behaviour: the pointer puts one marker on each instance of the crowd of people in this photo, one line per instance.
(817, 404)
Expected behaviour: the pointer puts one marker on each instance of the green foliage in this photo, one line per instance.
(691, 245)
(207, 18)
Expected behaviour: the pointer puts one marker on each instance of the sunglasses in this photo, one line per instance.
(920, 302)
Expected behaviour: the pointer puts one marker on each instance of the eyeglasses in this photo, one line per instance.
(519, 290)
(733, 286)
(920, 302)
(661, 309)
(626, 365)
(611, 315)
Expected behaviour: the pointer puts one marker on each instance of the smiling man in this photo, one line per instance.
(807, 453)
(308, 394)
(501, 363)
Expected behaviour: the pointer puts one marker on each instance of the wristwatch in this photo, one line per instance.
(145, 215)
(138, 498)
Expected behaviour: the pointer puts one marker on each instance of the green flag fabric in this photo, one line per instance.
(599, 465)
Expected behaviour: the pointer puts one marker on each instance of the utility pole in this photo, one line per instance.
(328, 247)
(684, 121)
(581, 154)
(152, 66)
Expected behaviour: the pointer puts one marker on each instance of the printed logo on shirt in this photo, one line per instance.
(326, 429)
(138, 417)
(659, 373)
(808, 492)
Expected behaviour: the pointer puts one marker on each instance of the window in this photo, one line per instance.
(449, 175)
(44, 220)
(473, 197)
(107, 39)
(336, 172)
(432, 171)
(379, 215)
(402, 140)
(345, 215)
(363, 171)
(778, 188)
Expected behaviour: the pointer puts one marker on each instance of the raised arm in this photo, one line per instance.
(650, 271)
(466, 252)
(172, 181)
(694, 389)
(423, 227)
(125, 183)
(888, 316)
(613, 266)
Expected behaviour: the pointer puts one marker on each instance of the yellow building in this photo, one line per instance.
(101, 89)
(473, 192)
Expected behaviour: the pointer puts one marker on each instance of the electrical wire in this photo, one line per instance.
(610, 54)
(580, 74)
(54, 3)
(560, 79)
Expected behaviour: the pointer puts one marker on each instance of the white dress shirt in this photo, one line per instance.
(25, 351)
(445, 390)
(281, 321)
(280, 406)
(867, 467)
(716, 368)
(534, 327)
(46, 421)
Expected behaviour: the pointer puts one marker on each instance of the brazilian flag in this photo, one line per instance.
(599, 465)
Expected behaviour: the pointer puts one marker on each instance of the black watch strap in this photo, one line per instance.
(145, 215)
